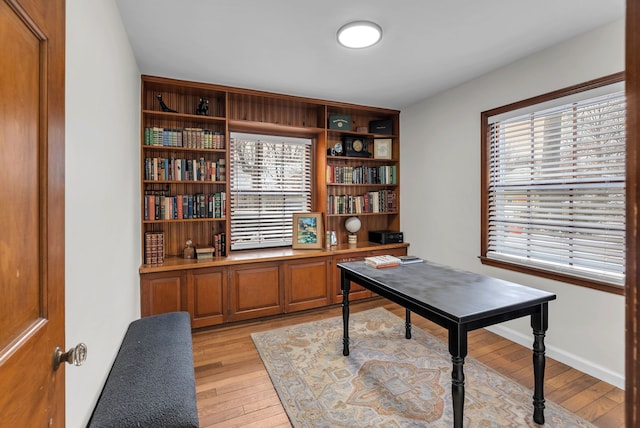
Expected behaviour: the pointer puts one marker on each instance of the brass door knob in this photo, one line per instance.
(75, 356)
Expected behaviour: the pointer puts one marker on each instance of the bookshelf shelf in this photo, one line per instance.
(361, 185)
(182, 149)
(193, 182)
(334, 132)
(187, 220)
(364, 214)
(360, 160)
(152, 114)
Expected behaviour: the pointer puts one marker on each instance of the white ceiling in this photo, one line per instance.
(289, 46)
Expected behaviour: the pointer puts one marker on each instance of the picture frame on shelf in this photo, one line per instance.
(308, 231)
(382, 148)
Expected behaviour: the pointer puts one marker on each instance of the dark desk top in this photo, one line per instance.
(455, 294)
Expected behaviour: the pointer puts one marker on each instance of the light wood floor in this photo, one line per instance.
(234, 389)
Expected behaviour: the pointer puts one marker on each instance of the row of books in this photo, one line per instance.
(153, 248)
(172, 169)
(385, 174)
(371, 202)
(158, 206)
(193, 138)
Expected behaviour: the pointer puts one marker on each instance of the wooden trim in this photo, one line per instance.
(596, 285)
(484, 183)
(252, 92)
(269, 254)
(564, 92)
(632, 77)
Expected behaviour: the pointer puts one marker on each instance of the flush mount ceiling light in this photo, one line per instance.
(359, 34)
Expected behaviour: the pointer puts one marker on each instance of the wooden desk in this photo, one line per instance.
(461, 302)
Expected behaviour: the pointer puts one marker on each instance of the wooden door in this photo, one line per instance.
(254, 291)
(162, 292)
(306, 284)
(207, 296)
(32, 219)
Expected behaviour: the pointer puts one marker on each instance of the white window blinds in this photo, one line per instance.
(270, 180)
(557, 189)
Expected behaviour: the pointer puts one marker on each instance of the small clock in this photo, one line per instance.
(356, 147)
(336, 150)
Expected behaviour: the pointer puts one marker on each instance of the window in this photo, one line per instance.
(554, 185)
(270, 180)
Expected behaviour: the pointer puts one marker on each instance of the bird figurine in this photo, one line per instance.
(203, 107)
(163, 106)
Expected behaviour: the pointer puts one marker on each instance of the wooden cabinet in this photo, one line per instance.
(184, 164)
(162, 292)
(207, 296)
(185, 195)
(356, 292)
(250, 285)
(255, 290)
(306, 283)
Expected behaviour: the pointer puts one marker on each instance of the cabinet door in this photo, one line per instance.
(207, 296)
(306, 284)
(161, 293)
(357, 291)
(255, 291)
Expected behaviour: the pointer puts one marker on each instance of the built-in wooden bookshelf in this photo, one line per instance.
(348, 197)
(185, 189)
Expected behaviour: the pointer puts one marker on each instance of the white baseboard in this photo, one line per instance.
(599, 372)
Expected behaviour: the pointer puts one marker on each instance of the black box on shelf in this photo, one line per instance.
(386, 236)
(384, 127)
(340, 121)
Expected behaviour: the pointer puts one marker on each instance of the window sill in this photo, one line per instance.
(596, 285)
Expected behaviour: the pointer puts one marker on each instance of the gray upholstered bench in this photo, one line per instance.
(151, 383)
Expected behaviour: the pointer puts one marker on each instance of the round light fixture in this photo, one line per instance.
(359, 34)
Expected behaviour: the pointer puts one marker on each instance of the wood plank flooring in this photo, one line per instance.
(234, 389)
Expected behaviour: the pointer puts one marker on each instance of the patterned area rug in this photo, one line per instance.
(387, 380)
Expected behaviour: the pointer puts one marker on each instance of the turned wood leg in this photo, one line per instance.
(539, 324)
(458, 350)
(346, 286)
(407, 324)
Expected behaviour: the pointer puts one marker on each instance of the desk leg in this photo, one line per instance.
(539, 324)
(458, 350)
(407, 324)
(346, 286)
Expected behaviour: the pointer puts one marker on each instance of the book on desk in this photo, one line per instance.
(407, 260)
(383, 261)
(386, 261)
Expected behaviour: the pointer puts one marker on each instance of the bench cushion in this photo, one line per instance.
(151, 383)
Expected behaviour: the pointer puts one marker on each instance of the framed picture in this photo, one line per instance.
(307, 230)
(382, 148)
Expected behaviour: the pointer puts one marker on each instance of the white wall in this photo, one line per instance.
(440, 194)
(102, 195)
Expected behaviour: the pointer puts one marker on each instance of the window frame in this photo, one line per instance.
(268, 139)
(485, 181)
